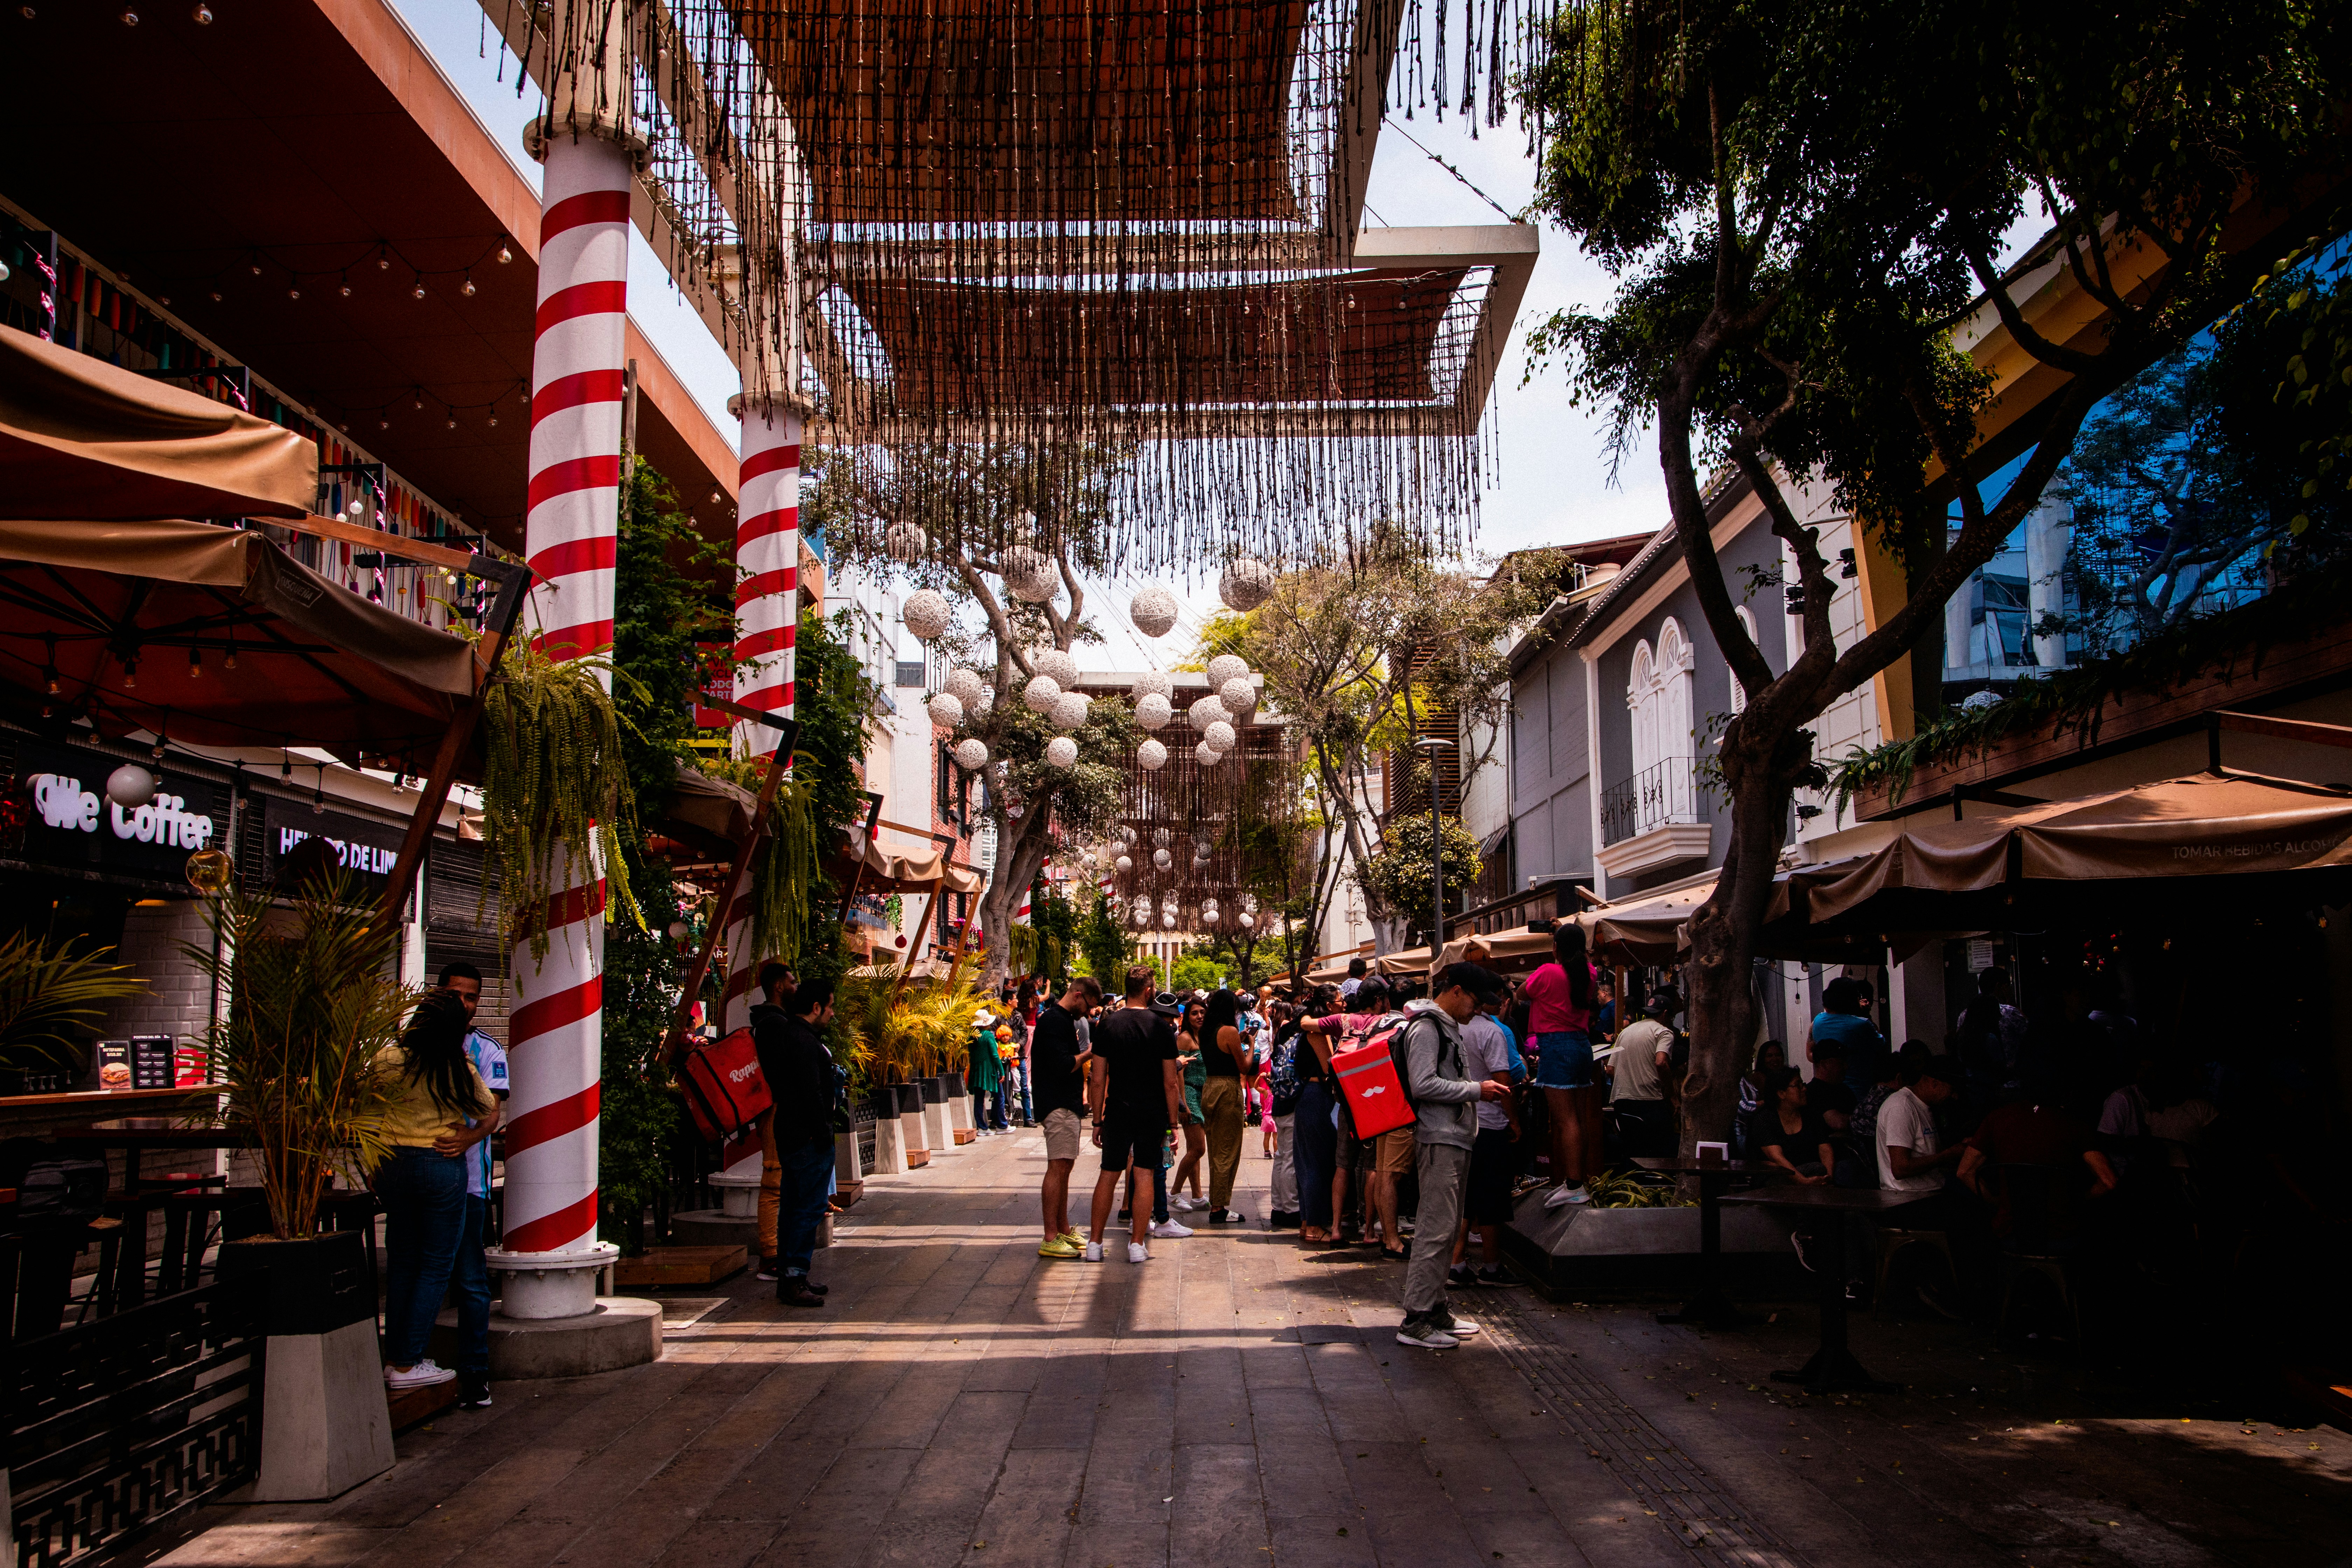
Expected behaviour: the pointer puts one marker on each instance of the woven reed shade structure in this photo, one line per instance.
(1126, 224)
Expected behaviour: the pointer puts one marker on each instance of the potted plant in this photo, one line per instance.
(310, 1002)
(51, 999)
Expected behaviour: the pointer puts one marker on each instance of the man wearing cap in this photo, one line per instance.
(1445, 1099)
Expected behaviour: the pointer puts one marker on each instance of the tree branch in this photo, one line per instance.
(2070, 360)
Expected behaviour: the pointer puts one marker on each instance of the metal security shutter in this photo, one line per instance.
(460, 923)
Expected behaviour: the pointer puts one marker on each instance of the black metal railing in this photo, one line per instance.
(116, 1426)
(1665, 792)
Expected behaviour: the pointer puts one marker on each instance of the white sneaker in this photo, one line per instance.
(424, 1374)
(1460, 1328)
(1138, 1253)
(1094, 1252)
(1168, 1230)
(1575, 1194)
(1183, 1204)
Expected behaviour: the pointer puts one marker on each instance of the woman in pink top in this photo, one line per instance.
(1559, 1021)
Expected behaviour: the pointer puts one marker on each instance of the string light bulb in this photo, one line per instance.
(506, 253)
(383, 262)
(202, 16)
(418, 293)
(467, 288)
(347, 284)
(293, 293)
(196, 663)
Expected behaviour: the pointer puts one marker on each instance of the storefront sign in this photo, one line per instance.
(71, 822)
(368, 850)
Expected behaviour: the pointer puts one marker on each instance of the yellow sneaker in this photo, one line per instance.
(1076, 1238)
(1060, 1248)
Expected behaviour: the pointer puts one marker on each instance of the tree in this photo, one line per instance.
(1399, 876)
(1200, 968)
(952, 518)
(1799, 205)
(1344, 647)
(1104, 949)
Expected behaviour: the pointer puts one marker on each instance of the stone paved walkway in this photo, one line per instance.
(1235, 1401)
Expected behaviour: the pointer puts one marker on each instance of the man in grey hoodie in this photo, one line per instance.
(1445, 1102)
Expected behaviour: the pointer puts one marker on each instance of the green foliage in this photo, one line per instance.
(310, 1002)
(1047, 943)
(640, 1122)
(886, 1035)
(556, 798)
(1105, 949)
(1399, 875)
(1198, 969)
(52, 999)
(668, 602)
(2072, 700)
(2308, 301)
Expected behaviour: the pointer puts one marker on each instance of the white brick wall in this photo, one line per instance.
(178, 1000)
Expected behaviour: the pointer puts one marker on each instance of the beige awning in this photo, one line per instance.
(83, 438)
(134, 624)
(2214, 828)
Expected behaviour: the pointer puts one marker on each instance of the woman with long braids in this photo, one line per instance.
(440, 1110)
(1559, 1018)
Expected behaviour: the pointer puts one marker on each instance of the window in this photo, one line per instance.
(1738, 691)
(1659, 695)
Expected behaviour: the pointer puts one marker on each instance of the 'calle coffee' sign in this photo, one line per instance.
(73, 823)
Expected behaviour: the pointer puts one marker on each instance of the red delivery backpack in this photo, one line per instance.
(1367, 1074)
(724, 1088)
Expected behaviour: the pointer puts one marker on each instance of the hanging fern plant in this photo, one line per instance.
(786, 867)
(556, 800)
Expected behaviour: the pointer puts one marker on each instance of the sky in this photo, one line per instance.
(1549, 480)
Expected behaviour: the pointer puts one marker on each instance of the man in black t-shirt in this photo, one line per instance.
(1132, 1094)
(1058, 1091)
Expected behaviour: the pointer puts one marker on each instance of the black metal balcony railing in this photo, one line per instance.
(1667, 791)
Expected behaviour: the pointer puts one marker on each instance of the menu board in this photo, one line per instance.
(155, 1063)
(113, 1065)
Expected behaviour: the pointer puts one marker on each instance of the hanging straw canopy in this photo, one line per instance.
(83, 439)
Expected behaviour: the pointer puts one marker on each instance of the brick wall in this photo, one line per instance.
(178, 999)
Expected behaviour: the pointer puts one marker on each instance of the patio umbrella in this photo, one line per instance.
(2227, 833)
(83, 439)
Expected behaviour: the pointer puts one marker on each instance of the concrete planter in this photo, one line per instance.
(325, 1424)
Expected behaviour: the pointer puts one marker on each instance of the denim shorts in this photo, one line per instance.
(1564, 1061)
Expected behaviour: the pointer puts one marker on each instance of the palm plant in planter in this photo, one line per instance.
(51, 998)
(310, 1001)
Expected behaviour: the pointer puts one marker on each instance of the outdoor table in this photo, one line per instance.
(134, 1135)
(1710, 1308)
(1832, 1368)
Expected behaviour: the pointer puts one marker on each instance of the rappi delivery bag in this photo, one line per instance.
(1367, 1077)
(724, 1087)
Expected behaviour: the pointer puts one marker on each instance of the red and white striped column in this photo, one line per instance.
(767, 617)
(570, 535)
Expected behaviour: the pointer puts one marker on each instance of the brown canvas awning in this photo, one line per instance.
(2222, 831)
(83, 439)
(134, 624)
(885, 871)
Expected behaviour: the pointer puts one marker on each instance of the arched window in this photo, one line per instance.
(1738, 691)
(1659, 696)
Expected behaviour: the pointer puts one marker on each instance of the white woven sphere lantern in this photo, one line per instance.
(1061, 752)
(1053, 661)
(1208, 915)
(1153, 611)
(1124, 864)
(1237, 695)
(1207, 755)
(1246, 919)
(1069, 711)
(965, 686)
(1162, 859)
(1029, 574)
(1152, 683)
(1143, 914)
(1152, 711)
(906, 542)
(1219, 735)
(1245, 584)
(1208, 710)
(926, 614)
(1169, 919)
(972, 755)
(1151, 756)
(1249, 902)
(1041, 692)
(946, 710)
(1227, 666)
